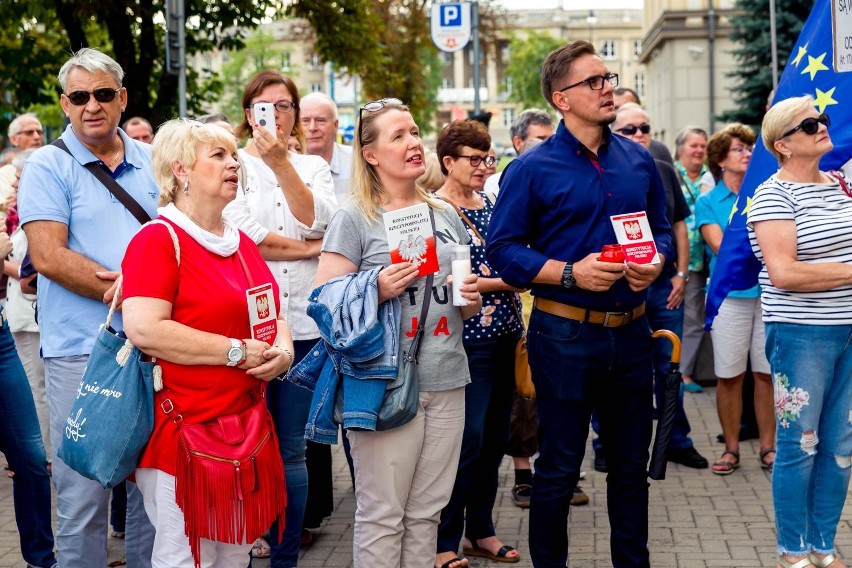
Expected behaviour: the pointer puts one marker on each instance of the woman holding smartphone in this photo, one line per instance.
(284, 204)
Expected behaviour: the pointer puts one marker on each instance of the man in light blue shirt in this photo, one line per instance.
(78, 232)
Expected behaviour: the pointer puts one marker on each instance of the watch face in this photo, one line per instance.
(235, 354)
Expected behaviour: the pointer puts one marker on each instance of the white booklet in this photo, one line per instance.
(633, 233)
(410, 238)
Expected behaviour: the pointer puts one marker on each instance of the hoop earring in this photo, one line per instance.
(186, 187)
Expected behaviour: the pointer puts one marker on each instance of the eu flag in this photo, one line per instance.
(810, 71)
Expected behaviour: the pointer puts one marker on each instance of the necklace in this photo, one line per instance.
(117, 154)
(194, 220)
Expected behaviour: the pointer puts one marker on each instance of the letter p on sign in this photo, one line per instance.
(450, 15)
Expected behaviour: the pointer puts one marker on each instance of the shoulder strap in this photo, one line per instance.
(842, 181)
(464, 218)
(113, 186)
(421, 323)
(171, 233)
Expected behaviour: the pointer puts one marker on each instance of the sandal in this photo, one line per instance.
(502, 555)
(803, 563)
(521, 495)
(725, 467)
(260, 548)
(823, 562)
(767, 465)
(454, 560)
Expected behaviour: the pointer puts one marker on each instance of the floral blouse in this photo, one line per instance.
(497, 316)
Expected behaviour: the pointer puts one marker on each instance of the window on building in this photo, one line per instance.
(608, 49)
(637, 47)
(639, 84)
(285, 60)
(208, 62)
(505, 54)
(314, 62)
(506, 86)
(446, 83)
(507, 117)
(448, 57)
(316, 87)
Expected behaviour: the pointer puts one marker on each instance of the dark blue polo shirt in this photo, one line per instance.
(555, 202)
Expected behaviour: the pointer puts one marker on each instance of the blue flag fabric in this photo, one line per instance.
(808, 72)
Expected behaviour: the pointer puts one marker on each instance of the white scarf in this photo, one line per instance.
(226, 245)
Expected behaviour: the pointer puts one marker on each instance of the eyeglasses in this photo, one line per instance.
(281, 106)
(31, 132)
(810, 125)
(475, 160)
(373, 106)
(595, 83)
(742, 150)
(80, 98)
(630, 129)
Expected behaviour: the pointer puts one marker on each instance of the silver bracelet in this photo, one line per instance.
(284, 375)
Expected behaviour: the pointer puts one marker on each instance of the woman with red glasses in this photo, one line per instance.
(799, 225)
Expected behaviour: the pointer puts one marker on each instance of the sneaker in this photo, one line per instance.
(688, 457)
(600, 461)
(579, 498)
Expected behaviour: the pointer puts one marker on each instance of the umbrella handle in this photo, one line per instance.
(671, 336)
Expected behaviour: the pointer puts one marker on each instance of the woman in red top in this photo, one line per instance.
(186, 304)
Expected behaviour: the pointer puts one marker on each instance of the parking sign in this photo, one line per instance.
(451, 26)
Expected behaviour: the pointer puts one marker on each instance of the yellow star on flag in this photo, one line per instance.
(747, 207)
(800, 54)
(824, 99)
(733, 211)
(815, 65)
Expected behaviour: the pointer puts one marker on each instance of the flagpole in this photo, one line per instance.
(774, 43)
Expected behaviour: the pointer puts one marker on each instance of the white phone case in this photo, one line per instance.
(264, 115)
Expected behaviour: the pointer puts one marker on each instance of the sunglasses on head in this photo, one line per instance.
(630, 129)
(373, 106)
(105, 95)
(810, 125)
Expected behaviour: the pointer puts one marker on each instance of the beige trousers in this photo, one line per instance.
(403, 478)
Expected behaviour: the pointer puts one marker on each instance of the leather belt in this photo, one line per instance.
(606, 319)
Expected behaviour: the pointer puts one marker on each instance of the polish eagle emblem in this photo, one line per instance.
(413, 249)
(633, 230)
(263, 306)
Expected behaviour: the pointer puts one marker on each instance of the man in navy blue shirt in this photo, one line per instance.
(589, 341)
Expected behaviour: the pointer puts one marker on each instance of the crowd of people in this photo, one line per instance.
(209, 226)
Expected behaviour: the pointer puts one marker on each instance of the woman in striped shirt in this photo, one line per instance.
(799, 224)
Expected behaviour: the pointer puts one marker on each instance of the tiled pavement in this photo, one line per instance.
(697, 519)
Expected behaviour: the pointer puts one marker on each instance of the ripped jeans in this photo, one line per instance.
(812, 377)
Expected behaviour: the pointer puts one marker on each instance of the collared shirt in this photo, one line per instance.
(556, 203)
(691, 191)
(260, 207)
(714, 208)
(341, 171)
(56, 187)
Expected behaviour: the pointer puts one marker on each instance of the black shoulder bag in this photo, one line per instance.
(113, 186)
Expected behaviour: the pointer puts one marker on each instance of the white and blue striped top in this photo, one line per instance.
(823, 216)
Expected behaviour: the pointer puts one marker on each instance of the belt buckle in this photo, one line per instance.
(623, 315)
(606, 319)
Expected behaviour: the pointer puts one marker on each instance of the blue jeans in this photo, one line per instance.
(812, 375)
(577, 367)
(20, 441)
(659, 317)
(289, 405)
(488, 405)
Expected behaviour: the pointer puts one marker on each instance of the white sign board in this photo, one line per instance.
(451, 26)
(841, 19)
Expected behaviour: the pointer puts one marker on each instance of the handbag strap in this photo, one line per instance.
(245, 268)
(113, 186)
(424, 310)
(515, 302)
(842, 181)
(465, 218)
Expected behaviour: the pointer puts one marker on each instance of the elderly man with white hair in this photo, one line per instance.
(665, 296)
(77, 233)
(320, 121)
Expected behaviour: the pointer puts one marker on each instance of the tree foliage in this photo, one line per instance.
(753, 54)
(524, 68)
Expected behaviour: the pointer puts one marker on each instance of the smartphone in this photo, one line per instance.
(264, 115)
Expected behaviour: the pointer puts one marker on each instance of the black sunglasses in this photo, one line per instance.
(630, 130)
(476, 160)
(810, 125)
(595, 83)
(79, 98)
(373, 106)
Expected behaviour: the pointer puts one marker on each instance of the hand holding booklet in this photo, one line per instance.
(633, 233)
(410, 238)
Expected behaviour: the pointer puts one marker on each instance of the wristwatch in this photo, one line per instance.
(568, 276)
(684, 275)
(237, 353)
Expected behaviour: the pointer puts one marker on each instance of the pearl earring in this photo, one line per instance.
(186, 187)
